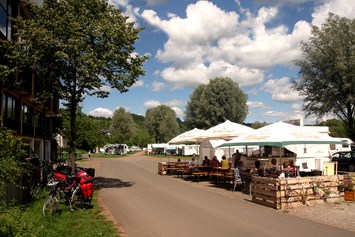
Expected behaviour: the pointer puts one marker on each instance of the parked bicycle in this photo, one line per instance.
(76, 191)
(46, 170)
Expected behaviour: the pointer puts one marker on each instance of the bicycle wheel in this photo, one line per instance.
(78, 201)
(36, 192)
(50, 206)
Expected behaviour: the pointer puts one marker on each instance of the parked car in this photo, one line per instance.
(345, 159)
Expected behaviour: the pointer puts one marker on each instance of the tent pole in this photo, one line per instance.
(280, 157)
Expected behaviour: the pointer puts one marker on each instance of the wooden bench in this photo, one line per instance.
(181, 172)
(197, 174)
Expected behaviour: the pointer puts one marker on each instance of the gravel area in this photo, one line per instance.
(341, 215)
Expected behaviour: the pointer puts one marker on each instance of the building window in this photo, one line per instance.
(9, 107)
(5, 13)
(9, 111)
(38, 122)
(27, 120)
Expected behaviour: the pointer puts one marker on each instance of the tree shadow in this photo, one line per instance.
(101, 183)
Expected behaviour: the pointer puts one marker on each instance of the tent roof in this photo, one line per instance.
(282, 134)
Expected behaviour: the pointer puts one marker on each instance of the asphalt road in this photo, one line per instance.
(146, 204)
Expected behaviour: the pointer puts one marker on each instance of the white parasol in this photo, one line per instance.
(226, 131)
(191, 136)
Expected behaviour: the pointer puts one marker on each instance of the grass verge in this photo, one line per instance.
(28, 221)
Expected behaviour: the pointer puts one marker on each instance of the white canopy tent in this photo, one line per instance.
(293, 138)
(226, 131)
(191, 136)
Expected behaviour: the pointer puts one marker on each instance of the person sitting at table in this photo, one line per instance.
(224, 162)
(291, 165)
(206, 161)
(214, 162)
(192, 162)
(256, 170)
(275, 168)
(292, 168)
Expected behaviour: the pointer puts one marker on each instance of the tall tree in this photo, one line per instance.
(89, 129)
(216, 102)
(337, 128)
(123, 128)
(327, 71)
(77, 47)
(258, 124)
(161, 123)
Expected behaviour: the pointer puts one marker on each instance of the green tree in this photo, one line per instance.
(258, 124)
(76, 47)
(123, 129)
(327, 71)
(90, 130)
(12, 158)
(161, 123)
(337, 128)
(216, 102)
(142, 138)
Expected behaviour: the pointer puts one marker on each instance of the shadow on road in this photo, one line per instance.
(101, 182)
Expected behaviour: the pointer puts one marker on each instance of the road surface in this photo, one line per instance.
(145, 204)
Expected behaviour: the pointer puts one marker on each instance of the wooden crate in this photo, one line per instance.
(283, 193)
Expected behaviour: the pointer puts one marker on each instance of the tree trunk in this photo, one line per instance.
(72, 146)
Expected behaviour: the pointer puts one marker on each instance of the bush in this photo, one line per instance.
(15, 223)
(13, 163)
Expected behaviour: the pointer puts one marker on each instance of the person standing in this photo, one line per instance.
(237, 157)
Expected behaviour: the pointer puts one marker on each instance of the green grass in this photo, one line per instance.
(28, 221)
(100, 155)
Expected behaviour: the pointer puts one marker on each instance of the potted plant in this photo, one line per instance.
(326, 191)
(316, 186)
(349, 193)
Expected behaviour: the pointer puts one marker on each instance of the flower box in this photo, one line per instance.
(349, 195)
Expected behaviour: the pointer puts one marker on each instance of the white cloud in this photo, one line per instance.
(174, 103)
(138, 83)
(178, 111)
(199, 26)
(257, 104)
(339, 7)
(211, 42)
(101, 112)
(105, 88)
(281, 90)
(157, 85)
(130, 11)
(151, 103)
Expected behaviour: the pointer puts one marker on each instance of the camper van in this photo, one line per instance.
(115, 149)
(342, 147)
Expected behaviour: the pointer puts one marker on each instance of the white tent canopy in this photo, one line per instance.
(282, 134)
(226, 131)
(190, 136)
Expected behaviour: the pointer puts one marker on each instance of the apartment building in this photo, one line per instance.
(34, 122)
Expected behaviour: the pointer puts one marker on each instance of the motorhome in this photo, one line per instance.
(115, 149)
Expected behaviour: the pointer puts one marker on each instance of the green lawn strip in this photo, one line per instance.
(29, 221)
(100, 155)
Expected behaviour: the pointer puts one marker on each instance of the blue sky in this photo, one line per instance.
(253, 42)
